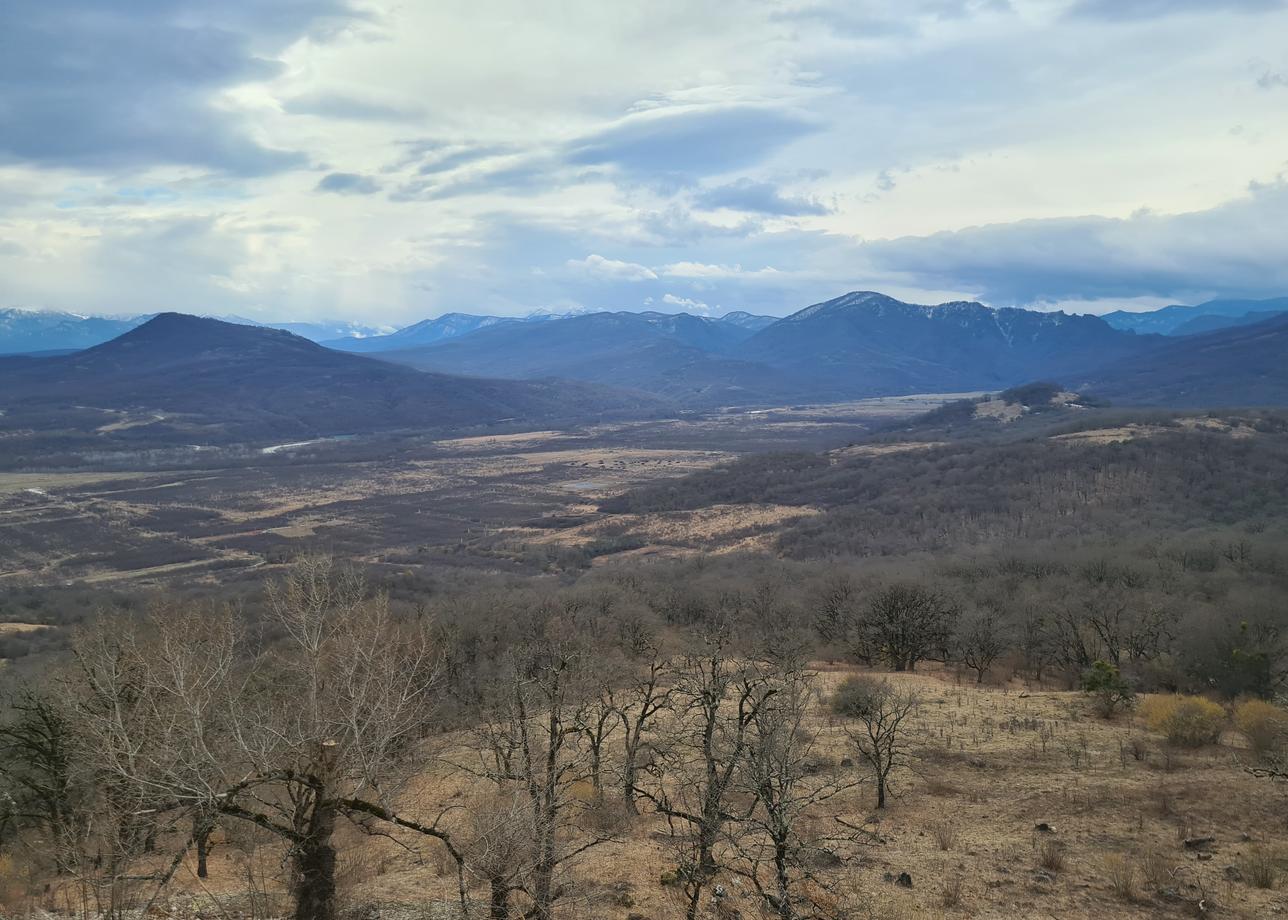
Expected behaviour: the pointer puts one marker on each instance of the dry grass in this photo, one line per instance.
(984, 782)
(944, 834)
(1120, 872)
(1260, 868)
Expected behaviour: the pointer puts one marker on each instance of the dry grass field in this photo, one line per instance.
(1017, 803)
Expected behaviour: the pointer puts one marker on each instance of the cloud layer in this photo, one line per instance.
(388, 162)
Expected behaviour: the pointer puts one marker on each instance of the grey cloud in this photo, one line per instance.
(1272, 80)
(351, 107)
(758, 197)
(1152, 9)
(348, 184)
(127, 85)
(700, 141)
(1236, 247)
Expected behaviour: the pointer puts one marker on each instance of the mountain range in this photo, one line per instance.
(1179, 319)
(187, 379)
(41, 331)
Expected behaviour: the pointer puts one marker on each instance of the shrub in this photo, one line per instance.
(1260, 868)
(1186, 721)
(1107, 688)
(945, 834)
(1051, 854)
(1262, 723)
(950, 895)
(1121, 873)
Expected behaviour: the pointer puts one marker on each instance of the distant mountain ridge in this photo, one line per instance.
(1245, 365)
(857, 345)
(36, 331)
(23, 331)
(213, 382)
(1179, 319)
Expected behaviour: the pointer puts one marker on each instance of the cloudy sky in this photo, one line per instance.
(389, 161)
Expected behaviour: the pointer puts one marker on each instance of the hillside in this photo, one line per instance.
(426, 332)
(182, 375)
(1109, 473)
(677, 356)
(1239, 366)
(1176, 319)
(866, 343)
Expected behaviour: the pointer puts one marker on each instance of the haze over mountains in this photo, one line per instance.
(35, 331)
(208, 381)
(183, 379)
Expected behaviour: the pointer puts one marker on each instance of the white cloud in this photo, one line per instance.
(598, 267)
(686, 304)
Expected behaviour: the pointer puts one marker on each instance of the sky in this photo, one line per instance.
(391, 161)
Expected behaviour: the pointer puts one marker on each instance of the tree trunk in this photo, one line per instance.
(315, 866)
(201, 831)
(499, 900)
(881, 789)
(628, 785)
(782, 881)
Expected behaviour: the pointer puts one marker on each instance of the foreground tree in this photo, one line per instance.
(693, 779)
(783, 779)
(290, 736)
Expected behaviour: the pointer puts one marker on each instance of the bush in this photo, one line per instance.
(1260, 868)
(1262, 723)
(1186, 721)
(1108, 689)
(859, 696)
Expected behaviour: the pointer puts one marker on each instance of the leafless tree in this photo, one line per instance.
(693, 778)
(638, 706)
(774, 842)
(290, 736)
(981, 639)
(881, 709)
(529, 745)
(904, 624)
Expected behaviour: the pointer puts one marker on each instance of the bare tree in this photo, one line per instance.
(981, 640)
(880, 738)
(289, 737)
(782, 777)
(638, 705)
(529, 745)
(906, 623)
(693, 777)
(38, 750)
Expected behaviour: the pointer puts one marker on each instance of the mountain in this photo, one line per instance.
(209, 381)
(675, 355)
(426, 332)
(1240, 366)
(868, 344)
(326, 330)
(1171, 320)
(23, 331)
(748, 320)
(1211, 322)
